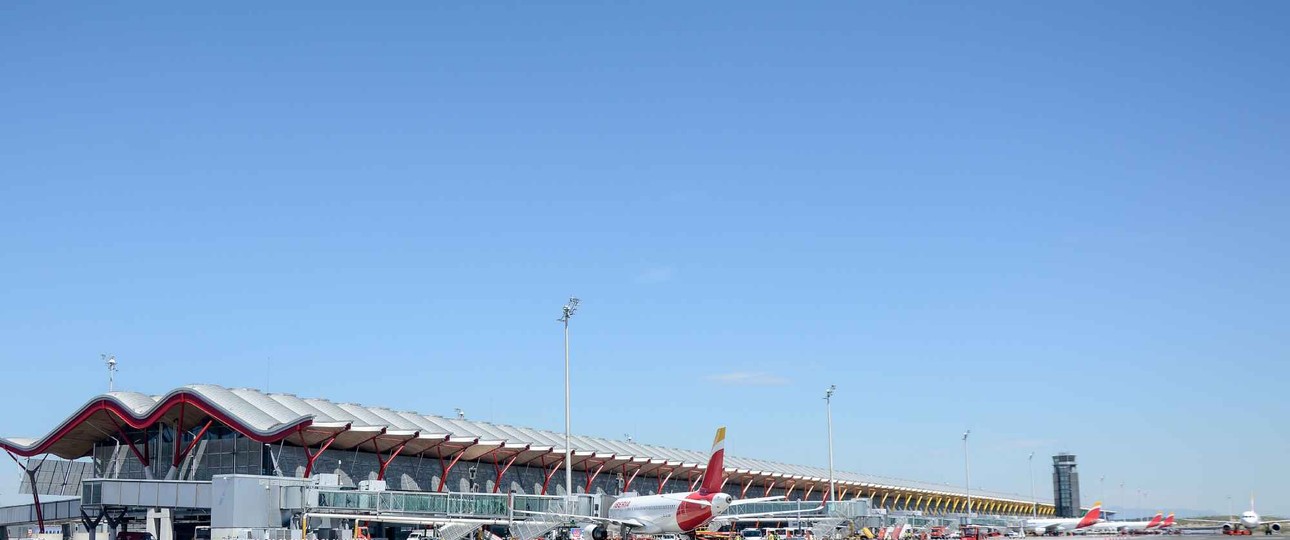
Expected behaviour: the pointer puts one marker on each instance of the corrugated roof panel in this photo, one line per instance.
(335, 412)
(301, 407)
(539, 435)
(393, 419)
(458, 427)
(139, 403)
(248, 413)
(427, 427)
(360, 412)
(487, 430)
(266, 404)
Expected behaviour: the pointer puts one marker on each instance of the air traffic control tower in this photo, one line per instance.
(1066, 485)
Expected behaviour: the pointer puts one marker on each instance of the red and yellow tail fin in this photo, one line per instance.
(1094, 514)
(1156, 520)
(1169, 521)
(715, 473)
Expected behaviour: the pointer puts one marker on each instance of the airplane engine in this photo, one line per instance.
(1276, 527)
(1227, 528)
(595, 532)
(1039, 531)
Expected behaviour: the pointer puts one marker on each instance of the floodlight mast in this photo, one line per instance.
(568, 310)
(828, 408)
(967, 476)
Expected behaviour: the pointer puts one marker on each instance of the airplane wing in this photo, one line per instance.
(630, 523)
(738, 502)
(1218, 521)
(737, 517)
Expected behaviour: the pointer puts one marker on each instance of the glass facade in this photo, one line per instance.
(221, 451)
(1066, 485)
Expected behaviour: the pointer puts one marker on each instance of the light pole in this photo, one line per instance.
(1123, 500)
(828, 410)
(568, 310)
(1101, 488)
(1229, 508)
(1034, 504)
(967, 476)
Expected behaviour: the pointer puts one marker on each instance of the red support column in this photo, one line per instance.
(791, 484)
(723, 483)
(593, 476)
(181, 454)
(385, 463)
(694, 480)
(311, 457)
(662, 480)
(35, 490)
(628, 485)
(770, 485)
(497, 478)
(556, 468)
(744, 492)
(807, 497)
(443, 479)
(178, 435)
(143, 458)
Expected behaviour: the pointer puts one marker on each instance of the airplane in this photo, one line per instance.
(674, 513)
(1041, 526)
(1248, 522)
(1128, 526)
(1168, 522)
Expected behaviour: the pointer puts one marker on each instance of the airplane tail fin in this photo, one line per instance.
(1094, 514)
(1156, 520)
(1169, 521)
(715, 472)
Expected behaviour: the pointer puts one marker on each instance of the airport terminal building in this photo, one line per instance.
(194, 433)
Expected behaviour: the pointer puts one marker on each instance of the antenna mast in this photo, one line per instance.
(110, 360)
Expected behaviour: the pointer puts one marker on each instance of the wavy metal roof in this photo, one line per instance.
(275, 417)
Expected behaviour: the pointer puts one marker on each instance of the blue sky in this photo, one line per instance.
(1063, 226)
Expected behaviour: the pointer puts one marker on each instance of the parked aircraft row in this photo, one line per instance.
(680, 513)
(675, 513)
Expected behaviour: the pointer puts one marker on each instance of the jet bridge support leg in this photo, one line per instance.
(91, 525)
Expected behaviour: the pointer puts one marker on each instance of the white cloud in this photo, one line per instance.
(748, 378)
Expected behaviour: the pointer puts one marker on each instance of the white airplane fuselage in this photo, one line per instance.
(671, 513)
(1249, 519)
(1050, 525)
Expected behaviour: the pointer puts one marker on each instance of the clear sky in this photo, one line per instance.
(1063, 226)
